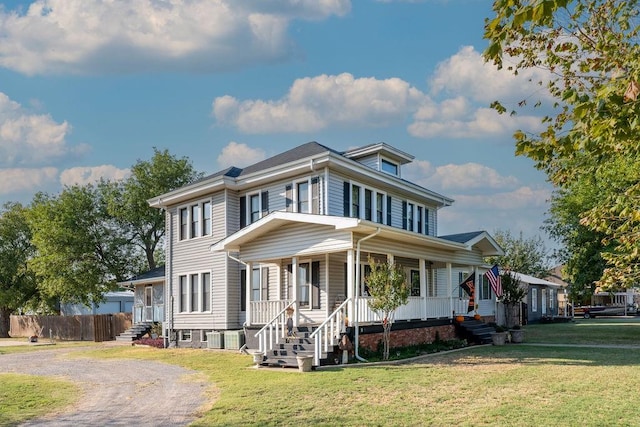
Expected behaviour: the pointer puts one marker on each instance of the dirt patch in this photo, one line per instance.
(116, 392)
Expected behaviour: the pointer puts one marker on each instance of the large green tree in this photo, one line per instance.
(590, 50)
(127, 201)
(523, 255)
(17, 282)
(81, 250)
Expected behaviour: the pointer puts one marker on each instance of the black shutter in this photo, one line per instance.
(404, 215)
(288, 203)
(315, 196)
(265, 203)
(426, 221)
(243, 290)
(315, 284)
(346, 202)
(243, 211)
(389, 210)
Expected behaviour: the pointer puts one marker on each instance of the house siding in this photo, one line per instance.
(297, 240)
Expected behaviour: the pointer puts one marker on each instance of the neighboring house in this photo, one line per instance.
(148, 291)
(114, 302)
(555, 276)
(296, 230)
(541, 300)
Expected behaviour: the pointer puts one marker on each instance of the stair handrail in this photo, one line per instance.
(332, 324)
(269, 328)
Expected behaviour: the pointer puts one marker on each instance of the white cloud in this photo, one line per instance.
(467, 74)
(29, 139)
(522, 209)
(463, 86)
(240, 155)
(19, 180)
(92, 174)
(98, 36)
(316, 103)
(453, 177)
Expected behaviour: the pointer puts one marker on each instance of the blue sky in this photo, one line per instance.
(88, 87)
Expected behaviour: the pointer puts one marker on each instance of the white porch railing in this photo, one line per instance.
(262, 312)
(270, 334)
(436, 307)
(329, 330)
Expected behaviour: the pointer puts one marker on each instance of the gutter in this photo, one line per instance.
(357, 295)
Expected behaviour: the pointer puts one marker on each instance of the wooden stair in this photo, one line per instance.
(475, 331)
(285, 353)
(135, 332)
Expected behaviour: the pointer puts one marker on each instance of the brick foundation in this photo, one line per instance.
(409, 337)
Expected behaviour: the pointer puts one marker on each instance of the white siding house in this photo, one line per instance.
(297, 230)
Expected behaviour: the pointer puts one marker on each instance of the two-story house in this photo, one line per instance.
(291, 236)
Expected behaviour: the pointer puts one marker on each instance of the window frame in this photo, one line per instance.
(386, 164)
(191, 225)
(361, 204)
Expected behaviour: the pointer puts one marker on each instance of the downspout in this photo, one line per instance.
(355, 323)
(245, 264)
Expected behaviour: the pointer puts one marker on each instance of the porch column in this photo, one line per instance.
(294, 279)
(249, 285)
(423, 287)
(351, 287)
(450, 289)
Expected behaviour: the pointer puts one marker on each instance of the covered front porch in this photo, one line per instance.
(310, 270)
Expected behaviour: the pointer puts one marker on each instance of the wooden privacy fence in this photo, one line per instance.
(91, 327)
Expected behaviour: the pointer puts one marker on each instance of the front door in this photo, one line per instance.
(148, 304)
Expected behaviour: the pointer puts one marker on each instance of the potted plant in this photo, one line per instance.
(499, 337)
(517, 334)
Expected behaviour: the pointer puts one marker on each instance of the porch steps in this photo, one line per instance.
(475, 331)
(285, 354)
(135, 332)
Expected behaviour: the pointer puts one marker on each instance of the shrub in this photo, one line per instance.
(151, 342)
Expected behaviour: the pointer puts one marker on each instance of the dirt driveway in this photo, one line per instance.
(115, 392)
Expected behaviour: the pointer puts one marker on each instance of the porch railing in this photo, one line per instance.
(416, 308)
(262, 312)
(270, 334)
(329, 330)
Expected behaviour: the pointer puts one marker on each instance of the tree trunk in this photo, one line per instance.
(5, 321)
(386, 337)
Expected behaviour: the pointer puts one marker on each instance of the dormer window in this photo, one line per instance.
(389, 167)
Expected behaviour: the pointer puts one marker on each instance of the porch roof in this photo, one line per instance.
(355, 225)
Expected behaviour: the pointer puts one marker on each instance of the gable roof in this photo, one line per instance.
(155, 275)
(525, 278)
(289, 163)
(481, 239)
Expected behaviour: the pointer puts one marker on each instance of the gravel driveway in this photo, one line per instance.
(115, 392)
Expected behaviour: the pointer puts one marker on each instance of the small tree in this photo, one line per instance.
(389, 290)
(512, 294)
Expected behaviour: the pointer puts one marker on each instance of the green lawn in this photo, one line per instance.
(23, 397)
(511, 385)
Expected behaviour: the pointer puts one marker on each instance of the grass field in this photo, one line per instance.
(512, 385)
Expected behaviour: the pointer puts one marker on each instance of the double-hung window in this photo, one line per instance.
(184, 293)
(194, 220)
(184, 223)
(366, 203)
(253, 207)
(205, 296)
(195, 292)
(303, 197)
(308, 278)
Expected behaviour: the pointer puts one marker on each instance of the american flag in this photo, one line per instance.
(494, 279)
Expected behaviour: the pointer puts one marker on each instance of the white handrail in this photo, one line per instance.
(267, 332)
(331, 327)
